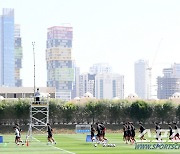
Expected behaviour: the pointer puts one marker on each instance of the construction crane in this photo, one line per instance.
(149, 69)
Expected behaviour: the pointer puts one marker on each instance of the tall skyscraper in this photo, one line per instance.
(18, 56)
(7, 60)
(60, 68)
(169, 83)
(142, 79)
(109, 86)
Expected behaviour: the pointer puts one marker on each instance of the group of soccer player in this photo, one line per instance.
(129, 132)
(18, 130)
(101, 129)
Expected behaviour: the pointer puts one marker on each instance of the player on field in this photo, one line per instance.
(125, 132)
(99, 132)
(176, 131)
(129, 131)
(170, 132)
(158, 131)
(142, 131)
(132, 132)
(103, 131)
(92, 133)
(20, 130)
(50, 136)
(17, 136)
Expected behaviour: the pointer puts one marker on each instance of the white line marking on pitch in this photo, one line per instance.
(56, 147)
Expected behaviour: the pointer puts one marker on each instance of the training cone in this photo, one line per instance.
(27, 143)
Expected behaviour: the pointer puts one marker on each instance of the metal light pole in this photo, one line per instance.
(33, 44)
(39, 113)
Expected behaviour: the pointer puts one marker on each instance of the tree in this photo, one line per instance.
(68, 112)
(114, 112)
(140, 110)
(178, 112)
(163, 111)
(95, 110)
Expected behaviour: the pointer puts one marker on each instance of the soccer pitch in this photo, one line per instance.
(73, 143)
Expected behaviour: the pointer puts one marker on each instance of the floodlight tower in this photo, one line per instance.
(39, 109)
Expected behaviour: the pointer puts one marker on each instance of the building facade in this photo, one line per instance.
(100, 68)
(25, 92)
(86, 84)
(18, 55)
(142, 81)
(109, 86)
(75, 91)
(7, 54)
(60, 68)
(169, 83)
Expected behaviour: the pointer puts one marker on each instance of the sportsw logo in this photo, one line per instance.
(159, 135)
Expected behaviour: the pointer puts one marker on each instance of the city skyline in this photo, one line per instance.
(114, 32)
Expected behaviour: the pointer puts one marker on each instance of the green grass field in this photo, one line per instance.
(73, 143)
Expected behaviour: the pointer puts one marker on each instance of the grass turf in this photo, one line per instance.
(73, 143)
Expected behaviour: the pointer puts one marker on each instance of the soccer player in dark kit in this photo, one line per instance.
(128, 131)
(125, 132)
(170, 132)
(158, 131)
(99, 132)
(103, 131)
(176, 131)
(92, 133)
(142, 131)
(132, 133)
(50, 136)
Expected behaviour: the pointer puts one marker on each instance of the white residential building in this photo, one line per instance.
(86, 84)
(109, 86)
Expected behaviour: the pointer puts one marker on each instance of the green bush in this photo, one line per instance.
(92, 111)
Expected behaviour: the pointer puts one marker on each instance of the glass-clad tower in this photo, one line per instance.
(7, 63)
(60, 67)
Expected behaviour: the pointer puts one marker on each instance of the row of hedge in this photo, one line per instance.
(92, 111)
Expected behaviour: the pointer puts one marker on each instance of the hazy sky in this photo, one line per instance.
(118, 32)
